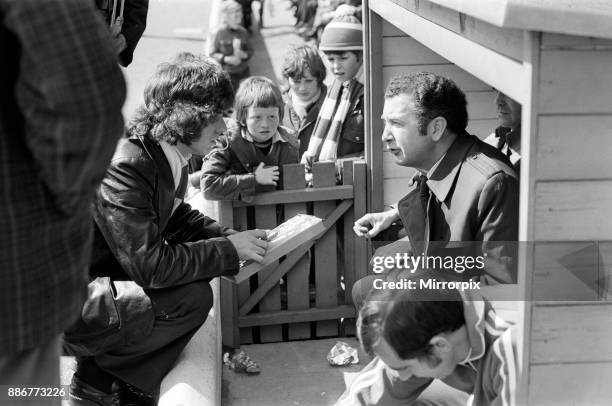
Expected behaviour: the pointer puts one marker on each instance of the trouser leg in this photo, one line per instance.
(36, 367)
(179, 312)
(363, 286)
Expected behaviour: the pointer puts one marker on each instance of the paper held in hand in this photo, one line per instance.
(282, 240)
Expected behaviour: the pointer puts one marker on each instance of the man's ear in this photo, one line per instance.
(436, 128)
(440, 344)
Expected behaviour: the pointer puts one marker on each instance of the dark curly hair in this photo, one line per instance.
(433, 96)
(408, 319)
(185, 82)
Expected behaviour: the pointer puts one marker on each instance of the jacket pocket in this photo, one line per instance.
(353, 130)
(113, 314)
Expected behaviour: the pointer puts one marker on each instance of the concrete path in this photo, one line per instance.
(292, 373)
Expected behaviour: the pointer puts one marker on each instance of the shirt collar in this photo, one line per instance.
(442, 176)
(474, 313)
(276, 138)
(172, 153)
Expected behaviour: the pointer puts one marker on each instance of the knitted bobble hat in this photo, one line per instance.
(343, 33)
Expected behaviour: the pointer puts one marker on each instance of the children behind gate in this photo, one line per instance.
(304, 73)
(246, 159)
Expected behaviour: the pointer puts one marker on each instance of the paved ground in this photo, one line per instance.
(292, 373)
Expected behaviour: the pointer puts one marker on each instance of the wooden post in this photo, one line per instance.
(297, 279)
(326, 262)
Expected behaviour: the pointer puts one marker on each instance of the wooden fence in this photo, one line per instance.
(308, 292)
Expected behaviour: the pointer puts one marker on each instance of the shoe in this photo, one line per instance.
(83, 394)
(132, 396)
(241, 363)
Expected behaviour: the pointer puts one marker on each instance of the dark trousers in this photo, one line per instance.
(144, 361)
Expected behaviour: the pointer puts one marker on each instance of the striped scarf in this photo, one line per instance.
(323, 145)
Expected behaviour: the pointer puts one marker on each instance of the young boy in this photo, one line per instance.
(339, 130)
(304, 72)
(231, 45)
(246, 160)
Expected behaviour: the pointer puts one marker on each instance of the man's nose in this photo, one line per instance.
(386, 134)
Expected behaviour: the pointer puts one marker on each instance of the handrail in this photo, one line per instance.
(339, 192)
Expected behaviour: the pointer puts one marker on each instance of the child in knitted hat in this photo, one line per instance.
(304, 73)
(339, 131)
(231, 45)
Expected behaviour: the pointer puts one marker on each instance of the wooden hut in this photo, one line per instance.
(555, 58)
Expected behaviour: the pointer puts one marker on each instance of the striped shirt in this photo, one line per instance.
(60, 118)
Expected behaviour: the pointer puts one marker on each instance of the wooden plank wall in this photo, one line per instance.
(402, 54)
(569, 192)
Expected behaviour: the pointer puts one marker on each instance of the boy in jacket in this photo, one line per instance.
(304, 73)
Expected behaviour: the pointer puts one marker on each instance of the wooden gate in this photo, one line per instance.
(306, 293)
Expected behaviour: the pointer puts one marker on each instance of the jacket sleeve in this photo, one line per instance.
(497, 228)
(134, 24)
(125, 212)
(187, 224)
(70, 92)
(218, 184)
(376, 386)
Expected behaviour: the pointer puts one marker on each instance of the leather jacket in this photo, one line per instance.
(142, 238)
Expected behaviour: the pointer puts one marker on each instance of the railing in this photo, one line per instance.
(308, 292)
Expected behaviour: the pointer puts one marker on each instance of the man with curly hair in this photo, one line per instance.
(154, 256)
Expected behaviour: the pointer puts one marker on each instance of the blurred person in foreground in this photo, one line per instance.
(60, 118)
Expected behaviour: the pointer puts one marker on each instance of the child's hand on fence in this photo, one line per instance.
(373, 223)
(266, 175)
(250, 244)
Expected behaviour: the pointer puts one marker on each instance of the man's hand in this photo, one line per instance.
(373, 223)
(232, 60)
(119, 41)
(250, 244)
(266, 176)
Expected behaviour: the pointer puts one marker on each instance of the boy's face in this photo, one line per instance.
(344, 66)
(262, 122)
(304, 88)
(209, 134)
(233, 18)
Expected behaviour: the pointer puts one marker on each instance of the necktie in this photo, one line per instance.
(423, 192)
(182, 187)
(507, 140)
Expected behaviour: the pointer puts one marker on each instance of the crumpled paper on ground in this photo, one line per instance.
(342, 354)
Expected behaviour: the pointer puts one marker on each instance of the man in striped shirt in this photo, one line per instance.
(433, 347)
